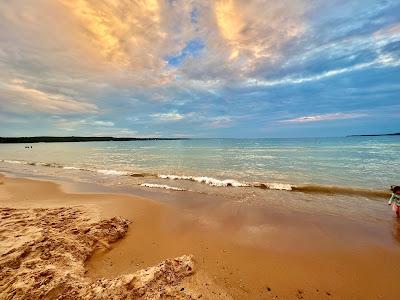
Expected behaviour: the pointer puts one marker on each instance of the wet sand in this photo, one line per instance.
(248, 250)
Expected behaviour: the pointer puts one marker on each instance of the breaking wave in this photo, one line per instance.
(113, 172)
(207, 180)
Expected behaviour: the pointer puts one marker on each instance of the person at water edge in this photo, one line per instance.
(395, 200)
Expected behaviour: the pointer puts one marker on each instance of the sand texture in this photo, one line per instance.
(55, 243)
(43, 254)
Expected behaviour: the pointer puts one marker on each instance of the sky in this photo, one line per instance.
(199, 68)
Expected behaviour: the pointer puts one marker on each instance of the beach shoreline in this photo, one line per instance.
(244, 250)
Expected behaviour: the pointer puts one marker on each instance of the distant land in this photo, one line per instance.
(60, 139)
(384, 134)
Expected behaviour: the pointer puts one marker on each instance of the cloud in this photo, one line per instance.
(134, 36)
(324, 117)
(220, 122)
(119, 64)
(242, 35)
(170, 116)
(90, 127)
(17, 95)
(74, 124)
(253, 32)
(103, 123)
(382, 61)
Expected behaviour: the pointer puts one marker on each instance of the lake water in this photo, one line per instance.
(360, 162)
(336, 176)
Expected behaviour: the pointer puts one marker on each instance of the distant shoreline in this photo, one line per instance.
(384, 134)
(68, 139)
(55, 139)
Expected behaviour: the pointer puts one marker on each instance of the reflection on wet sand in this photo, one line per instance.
(396, 229)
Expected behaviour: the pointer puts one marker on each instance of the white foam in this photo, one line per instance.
(14, 162)
(71, 168)
(201, 179)
(207, 180)
(280, 186)
(113, 172)
(162, 186)
(275, 186)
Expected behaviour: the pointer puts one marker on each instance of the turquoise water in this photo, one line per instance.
(365, 162)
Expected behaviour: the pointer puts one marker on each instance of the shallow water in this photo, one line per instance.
(363, 162)
(229, 168)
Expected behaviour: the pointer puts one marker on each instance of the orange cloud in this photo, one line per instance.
(117, 29)
(258, 29)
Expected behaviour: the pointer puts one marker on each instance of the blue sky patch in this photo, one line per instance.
(192, 49)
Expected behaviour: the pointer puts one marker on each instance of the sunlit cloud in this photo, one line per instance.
(194, 68)
(241, 36)
(16, 95)
(121, 30)
(257, 29)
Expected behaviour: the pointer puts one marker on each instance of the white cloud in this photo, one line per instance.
(170, 116)
(103, 123)
(220, 122)
(324, 117)
(92, 127)
(383, 60)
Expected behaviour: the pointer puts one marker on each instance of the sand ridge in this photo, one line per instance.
(43, 254)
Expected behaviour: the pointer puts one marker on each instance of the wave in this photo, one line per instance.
(23, 162)
(53, 165)
(113, 172)
(19, 162)
(307, 188)
(100, 171)
(230, 182)
(162, 186)
(71, 168)
(207, 180)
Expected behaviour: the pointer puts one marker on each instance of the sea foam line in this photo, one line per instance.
(201, 179)
(113, 172)
(162, 186)
(230, 182)
(19, 162)
(274, 186)
(207, 180)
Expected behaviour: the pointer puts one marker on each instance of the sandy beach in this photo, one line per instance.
(202, 149)
(100, 246)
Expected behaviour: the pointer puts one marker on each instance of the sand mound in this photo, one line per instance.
(43, 251)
